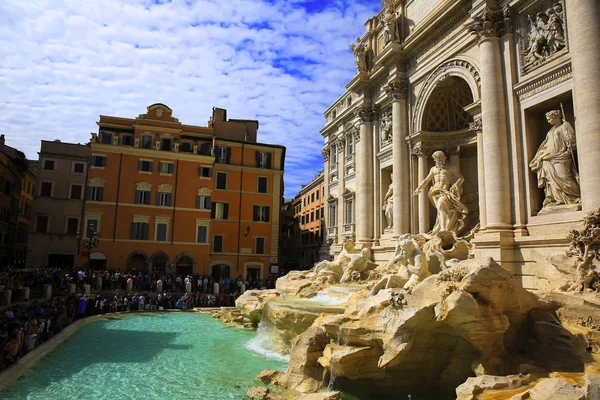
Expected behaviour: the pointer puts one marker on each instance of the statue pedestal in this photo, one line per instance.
(560, 208)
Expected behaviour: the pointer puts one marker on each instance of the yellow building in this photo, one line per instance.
(169, 197)
(24, 213)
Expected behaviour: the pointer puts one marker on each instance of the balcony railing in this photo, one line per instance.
(348, 229)
(332, 231)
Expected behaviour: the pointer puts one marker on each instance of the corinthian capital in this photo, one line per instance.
(325, 152)
(397, 89)
(491, 23)
(364, 113)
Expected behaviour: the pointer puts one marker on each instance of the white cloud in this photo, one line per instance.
(64, 62)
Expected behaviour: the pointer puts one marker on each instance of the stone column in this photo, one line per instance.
(398, 90)
(584, 46)
(481, 181)
(378, 220)
(493, 113)
(341, 152)
(363, 214)
(325, 234)
(424, 204)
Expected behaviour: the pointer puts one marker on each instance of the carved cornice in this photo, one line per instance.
(545, 81)
(397, 90)
(491, 23)
(364, 114)
(420, 151)
(423, 143)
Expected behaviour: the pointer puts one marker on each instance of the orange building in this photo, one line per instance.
(169, 197)
(308, 206)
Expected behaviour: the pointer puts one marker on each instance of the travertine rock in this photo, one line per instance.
(270, 376)
(592, 386)
(252, 303)
(321, 396)
(552, 389)
(475, 386)
(257, 393)
(304, 373)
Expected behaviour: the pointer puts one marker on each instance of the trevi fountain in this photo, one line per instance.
(462, 223)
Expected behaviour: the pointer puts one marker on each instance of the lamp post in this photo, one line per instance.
(92, 240)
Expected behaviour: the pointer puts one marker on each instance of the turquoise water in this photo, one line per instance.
(151, 356)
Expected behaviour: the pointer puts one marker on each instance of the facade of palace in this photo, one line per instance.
(169, 197)
(507, 90)
(309, 207)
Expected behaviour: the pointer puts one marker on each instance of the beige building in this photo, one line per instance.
(474, 79)
(58, 204)
(308, 208)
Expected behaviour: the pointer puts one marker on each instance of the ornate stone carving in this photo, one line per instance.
(96, 181)
(389, 20)
(386, 127)
(445, 195)
(397, 89)
(336, 268)
(360, 55)
(419, 150)
(143, 186)
(477, 124)
(491, 23)
(136, 142)
(94, 137)
(542, 35)
(204, 191)
(364, 114)
(585, 247)
(554, 164)
(325, 152)
(176, 147)
(157, 145)
(388, 206)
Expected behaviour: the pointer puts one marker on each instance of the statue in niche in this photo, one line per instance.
(546, 34)
(388, 206)
(412, 263)
(554, 163)
(360, 55)
(445, 196)
(386, 127)
(391, 33)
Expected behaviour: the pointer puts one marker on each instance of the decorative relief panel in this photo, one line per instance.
(542, 33)
(386, 127)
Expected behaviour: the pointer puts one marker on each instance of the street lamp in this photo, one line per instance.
(91, 241)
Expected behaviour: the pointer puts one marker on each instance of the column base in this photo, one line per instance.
(498, 244)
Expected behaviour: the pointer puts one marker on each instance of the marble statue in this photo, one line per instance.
(585, 247)
(360, 55)
(546, 34)
(336, 267)
(412, 263)
(445, 196)
(388, 206)
(554, 163)
(391, 33)
(358, 263)
(386, 127)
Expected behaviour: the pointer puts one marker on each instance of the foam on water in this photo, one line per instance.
(261, 344)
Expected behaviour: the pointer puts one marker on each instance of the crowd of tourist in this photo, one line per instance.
(26, 324)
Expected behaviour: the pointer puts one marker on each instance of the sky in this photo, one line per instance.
(283, 62)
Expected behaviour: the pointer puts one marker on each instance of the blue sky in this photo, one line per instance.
(63, 63)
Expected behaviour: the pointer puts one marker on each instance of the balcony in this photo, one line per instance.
(332, 232)
(348, 229)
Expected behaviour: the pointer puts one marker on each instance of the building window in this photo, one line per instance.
(205, 149)
(186, 147)
(261, 213)
(49, 165)
(205, 172)
(318, 192)
(263, 159)
(139, 231)
(317, 214)
(349, 211)
(312, 197)
(166, 168)
(219, 211)
(99, 161)
(95, 193)
(163, 199)
(46, 189)
(223, 155)
(221, 180)
(72, 225)
(161, 232)
(142, 197)
(218, 243)
(106, 138)
(126, 140)
(349, 145)
(202, 234)
(145, 166)
(262, 184)
(76, 192)
(260, 245)
(166, 144)
(333, 155)
(203, 202)
(146, 142)
(41, 224)
(78, 168)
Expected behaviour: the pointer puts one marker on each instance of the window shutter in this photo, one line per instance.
(268, 160)
(100, 194)
(199, 171)
(255, 215)
(213, 210)
(139, 165)
(89, 193)
(228, 154)
(158, 198)
(267, 212)
(225, 210)
(198, 198)
(257, 157)
(210, 172)
(132, 230)
(169, 199)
